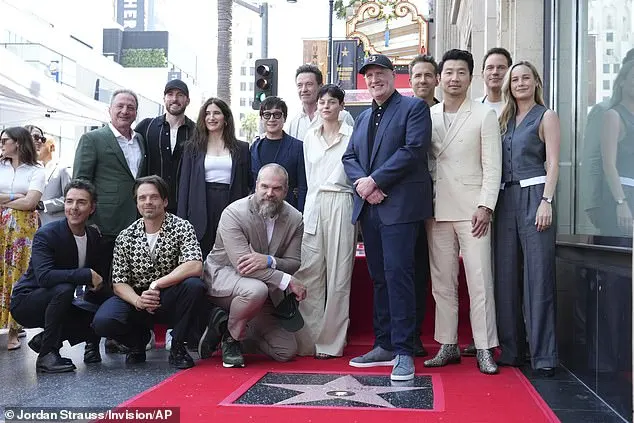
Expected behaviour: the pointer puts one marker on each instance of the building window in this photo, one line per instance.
(609, 52)
(251, 71)
(609, 37)
(242, 134)
(249, 41)
(251, 86)
(606, 84)
(243, 102)
(243, 86)
(241, 117)
(606, 68)
(609, 22)
(243, 71)
(250, 55)
(617, 67)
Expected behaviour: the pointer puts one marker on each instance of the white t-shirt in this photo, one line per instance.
(82, 242)
(173, 137)
(218, 169)
(497, 106)
(151, 240)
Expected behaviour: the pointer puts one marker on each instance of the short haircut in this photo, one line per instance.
(278, 169)
(423, 58)
(311, 69)
(124, 91)
(457, 54)
(155, 180)
(498, 50)
(274, 103)
(84, 185)
(333, 90)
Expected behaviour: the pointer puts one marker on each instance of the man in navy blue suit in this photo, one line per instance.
(279, 147)
(65, 255)
(387, 161)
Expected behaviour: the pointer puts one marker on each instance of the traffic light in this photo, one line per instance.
(265, 80)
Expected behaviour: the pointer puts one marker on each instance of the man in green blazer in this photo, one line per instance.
(112, 158)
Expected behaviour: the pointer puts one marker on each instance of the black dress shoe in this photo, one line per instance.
(91, 353)
(52, 363)
(469, 351)
(114, 347)
(136, 356)
(36, 342)
(419, 350)
(545, 372)
(179, 357)
(213, 333)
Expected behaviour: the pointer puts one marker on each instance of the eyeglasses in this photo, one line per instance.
(38, 138)
(274, 115)
(3, 141)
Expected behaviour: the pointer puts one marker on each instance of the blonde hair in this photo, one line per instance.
(510, 104)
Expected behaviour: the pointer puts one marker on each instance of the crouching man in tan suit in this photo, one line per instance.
(257, 249)
(466, 160)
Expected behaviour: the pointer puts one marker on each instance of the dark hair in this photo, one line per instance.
(333, 90)
(198, 142)
(498, 50)
(84, 185)
(26, 146)
(30, 128)
(310, 69)
(274, 103)
(457, 54)
(423, 58)
(155, 180)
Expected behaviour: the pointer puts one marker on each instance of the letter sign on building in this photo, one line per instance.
(131, 14)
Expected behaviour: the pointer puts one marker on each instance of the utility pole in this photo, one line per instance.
(263, 11)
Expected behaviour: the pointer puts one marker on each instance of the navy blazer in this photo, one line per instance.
(290, 156)
(397, 162)
(192, 194)
(54, 259)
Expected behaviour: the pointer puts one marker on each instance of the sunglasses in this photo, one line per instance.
(274, 115)
(38, 138)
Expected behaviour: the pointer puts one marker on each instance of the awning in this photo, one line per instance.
(27, 96)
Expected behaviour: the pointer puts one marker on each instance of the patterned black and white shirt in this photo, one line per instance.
(134, 264)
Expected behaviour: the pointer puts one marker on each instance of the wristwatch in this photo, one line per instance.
(548, 200)
(621, 201)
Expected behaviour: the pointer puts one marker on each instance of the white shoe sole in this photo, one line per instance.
(372, 364)
(402, 377)
(232, 365)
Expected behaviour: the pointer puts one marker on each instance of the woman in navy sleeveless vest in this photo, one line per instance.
(617, 149)
(524, 235)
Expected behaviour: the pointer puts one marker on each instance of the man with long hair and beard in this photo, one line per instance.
(257, 249)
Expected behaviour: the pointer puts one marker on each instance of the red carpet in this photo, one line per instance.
(461, 393)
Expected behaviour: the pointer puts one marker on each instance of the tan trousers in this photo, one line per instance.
(252, 322)
(446, 240)
(326, 271)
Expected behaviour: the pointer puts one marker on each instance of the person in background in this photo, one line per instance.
(328, 245)
(524, 238)
(22, 182)
(215, 171)
(279, 147)
(309, 80)
(57, 177)
(495, 65)
(65, 255)
(423, 78)
(166, 136)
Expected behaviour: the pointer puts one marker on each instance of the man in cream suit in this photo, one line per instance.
(57, 176)
(466, 161)
(257, 249)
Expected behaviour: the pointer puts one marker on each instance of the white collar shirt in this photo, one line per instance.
(300, 124)
(21, 180)
(131, 149)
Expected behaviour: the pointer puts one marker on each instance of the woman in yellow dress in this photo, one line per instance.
(22, 182)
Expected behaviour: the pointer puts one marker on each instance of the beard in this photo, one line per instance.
(269, 208)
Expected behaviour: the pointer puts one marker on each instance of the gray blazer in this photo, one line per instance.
(241, 231)
(53, 196)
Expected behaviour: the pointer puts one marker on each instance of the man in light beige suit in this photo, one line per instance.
(257, 249)
(466, 161)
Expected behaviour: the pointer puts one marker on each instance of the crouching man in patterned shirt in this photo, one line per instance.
(156, 272)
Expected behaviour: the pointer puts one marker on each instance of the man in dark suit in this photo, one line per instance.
(387, 161)
(279, 147)
(65, 255)
(166, 135)
(112, 158)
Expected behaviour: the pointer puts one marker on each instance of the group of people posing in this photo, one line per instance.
(251, 248)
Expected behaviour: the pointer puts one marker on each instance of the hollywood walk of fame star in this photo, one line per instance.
(345, 52)
(343, 388)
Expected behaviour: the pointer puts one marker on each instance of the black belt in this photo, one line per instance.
(512, 183)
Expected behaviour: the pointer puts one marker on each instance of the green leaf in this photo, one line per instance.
(144, 58)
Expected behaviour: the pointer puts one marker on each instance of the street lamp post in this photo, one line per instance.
(330, 43)
(262, 10)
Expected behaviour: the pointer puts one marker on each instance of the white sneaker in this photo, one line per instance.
(168, 340)
(152, 342)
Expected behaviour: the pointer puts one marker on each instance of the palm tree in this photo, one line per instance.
(224, 49)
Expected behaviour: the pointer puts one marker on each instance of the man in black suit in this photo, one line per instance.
(65, 255)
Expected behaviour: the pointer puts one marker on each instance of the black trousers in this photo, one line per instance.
(421, 277)
(217, 197)
(53, 310)
(180, 307)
